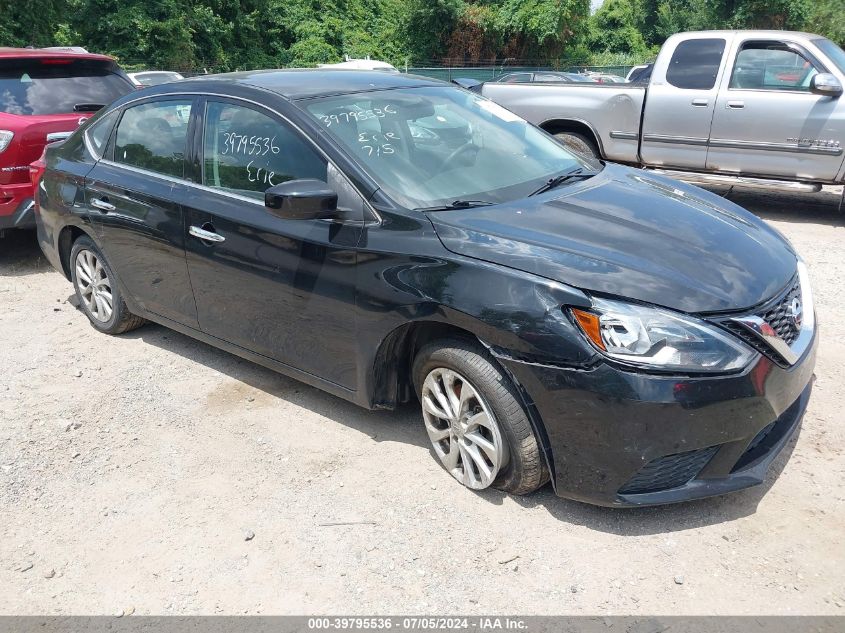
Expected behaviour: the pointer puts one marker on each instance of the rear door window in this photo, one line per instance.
(57, 85)
(695, 64)
(153, 136)
(100, 130)
(247, 152)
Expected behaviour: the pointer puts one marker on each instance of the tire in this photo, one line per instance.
(580, 144)
(521, 468)
(87, 263)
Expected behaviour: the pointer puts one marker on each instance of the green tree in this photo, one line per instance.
(545, 28)
(428, 26)
(22, 25)
(764, 14)
(827, 17)
(155, 34)
(677, 16)
(222, 35)
(617, 27)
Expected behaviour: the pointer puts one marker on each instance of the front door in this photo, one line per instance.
(767, 122)
(679, 104)
(282, 288)
(134, 195)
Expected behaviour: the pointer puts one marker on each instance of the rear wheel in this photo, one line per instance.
(478, 429)
(98, 294)
(580, 144)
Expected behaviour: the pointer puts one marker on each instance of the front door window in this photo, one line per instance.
(771, 65)
(247, 152)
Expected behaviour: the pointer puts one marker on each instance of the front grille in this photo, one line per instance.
(779, 316)
(757, 343)
(670, 471)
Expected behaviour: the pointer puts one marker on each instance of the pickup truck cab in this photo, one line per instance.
(735, 107)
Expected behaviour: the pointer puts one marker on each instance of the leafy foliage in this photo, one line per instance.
(694, 15)
(618, 27)
(222, 35)
(827, 17)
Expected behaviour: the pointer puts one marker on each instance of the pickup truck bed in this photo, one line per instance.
(737, 106)
(612, 108)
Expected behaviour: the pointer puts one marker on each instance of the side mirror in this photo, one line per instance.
(826, 85)
(470, 84)
(304, 199)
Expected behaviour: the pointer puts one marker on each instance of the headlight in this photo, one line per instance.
(6, 137)
(660, 339)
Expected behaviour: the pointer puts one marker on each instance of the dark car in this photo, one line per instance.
(545, 76)
(44, 95)
(387, 237)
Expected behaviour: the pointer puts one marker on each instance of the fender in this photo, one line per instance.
(557, 122)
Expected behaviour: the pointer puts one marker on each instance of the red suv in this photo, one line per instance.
(44, 96)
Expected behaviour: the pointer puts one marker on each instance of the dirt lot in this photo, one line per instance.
(133, 469)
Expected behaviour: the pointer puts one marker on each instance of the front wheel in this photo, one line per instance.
(478, 429)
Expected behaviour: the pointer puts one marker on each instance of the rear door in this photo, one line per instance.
(680, 101)
(767, 122)
(134, 194)
(281, 288)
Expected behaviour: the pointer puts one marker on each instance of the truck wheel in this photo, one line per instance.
(474, 419)
(98, 294)
(580, 144)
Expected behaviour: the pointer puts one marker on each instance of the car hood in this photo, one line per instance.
(633, 234)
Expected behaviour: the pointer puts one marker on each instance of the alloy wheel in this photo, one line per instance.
(94, 286)
(462, 429)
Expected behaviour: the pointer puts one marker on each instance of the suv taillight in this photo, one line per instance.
(36, 170)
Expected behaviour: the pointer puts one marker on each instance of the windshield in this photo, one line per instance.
(432, 146)
(836, 54)
(56, 85)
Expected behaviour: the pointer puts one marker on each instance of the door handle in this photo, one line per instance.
(700, 103)
(735, 105)
(102, 205)
(205, 235)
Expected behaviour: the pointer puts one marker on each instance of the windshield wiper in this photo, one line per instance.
(88, 107)
(575, 174)
(457, 204)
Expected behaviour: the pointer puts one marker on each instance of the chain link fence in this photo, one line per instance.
(488, 73)
(438, 69)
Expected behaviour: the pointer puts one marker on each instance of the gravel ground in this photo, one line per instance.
(151, 473)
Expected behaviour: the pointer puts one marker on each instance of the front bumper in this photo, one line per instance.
(621, 438)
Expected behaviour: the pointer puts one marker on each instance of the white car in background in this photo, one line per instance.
(154, 77)
(361, 64)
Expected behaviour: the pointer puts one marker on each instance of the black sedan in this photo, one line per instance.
(388, 238)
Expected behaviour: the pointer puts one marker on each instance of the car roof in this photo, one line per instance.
(307, 83)
(36, 53)
(762, 33)
(153, 72)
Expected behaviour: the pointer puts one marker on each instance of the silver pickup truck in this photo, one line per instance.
(753, 108)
